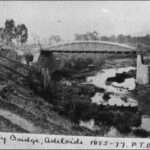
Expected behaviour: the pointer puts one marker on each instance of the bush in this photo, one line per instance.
(59, 74)
(81, 62)
(140, 133)
(6, 89)
(89, 113)
(28, 57)
(74, 109)
(89, 90)
(35, 79)
(128, 118)
(104, 117)
(136, 121)
(124, 129)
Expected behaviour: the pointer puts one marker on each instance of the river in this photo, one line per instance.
(116, 93)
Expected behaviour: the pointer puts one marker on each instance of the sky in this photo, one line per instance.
(46, 18)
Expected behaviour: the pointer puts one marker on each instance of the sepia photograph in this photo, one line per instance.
(75, 68)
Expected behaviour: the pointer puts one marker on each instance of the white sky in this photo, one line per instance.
(68, 17)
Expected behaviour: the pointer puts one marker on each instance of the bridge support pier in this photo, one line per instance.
(43, 66)
(142, 72)
(47, 64)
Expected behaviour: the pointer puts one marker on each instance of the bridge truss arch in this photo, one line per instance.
(90, 47)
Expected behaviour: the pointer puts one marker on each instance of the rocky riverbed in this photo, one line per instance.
(109, 88)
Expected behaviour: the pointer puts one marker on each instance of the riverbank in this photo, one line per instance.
(73, 95)
(67, 99)
(142, 92)
(130, 124)
(24, 111)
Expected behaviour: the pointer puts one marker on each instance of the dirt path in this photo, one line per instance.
(17, 120)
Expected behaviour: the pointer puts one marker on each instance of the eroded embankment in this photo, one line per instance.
(21, 110)
(19, 121)
(59, 108)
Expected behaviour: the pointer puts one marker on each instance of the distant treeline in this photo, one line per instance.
(124, 39)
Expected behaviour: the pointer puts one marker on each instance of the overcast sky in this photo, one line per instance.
(66, 18)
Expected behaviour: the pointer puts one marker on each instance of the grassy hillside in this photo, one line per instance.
(21, 110)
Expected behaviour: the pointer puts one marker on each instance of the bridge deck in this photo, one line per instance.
(87, 51)
(89, 47)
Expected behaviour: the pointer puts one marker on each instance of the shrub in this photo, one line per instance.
(105, 118)
(81, 62)
(124, 129)
(74, 108)
(136, 120)
(59, 74)
(86, 115)
(87, 90)
(106, 96)
(28, 57)
(6, 89)
(35, 79)
(128, 118)
(140, 133)
(89, 113)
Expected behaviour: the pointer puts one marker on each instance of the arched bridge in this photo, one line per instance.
(142, 73)
(89, 47)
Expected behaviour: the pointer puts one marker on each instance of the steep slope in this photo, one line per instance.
(23, 111)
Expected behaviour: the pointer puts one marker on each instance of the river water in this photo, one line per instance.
(118, 93)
